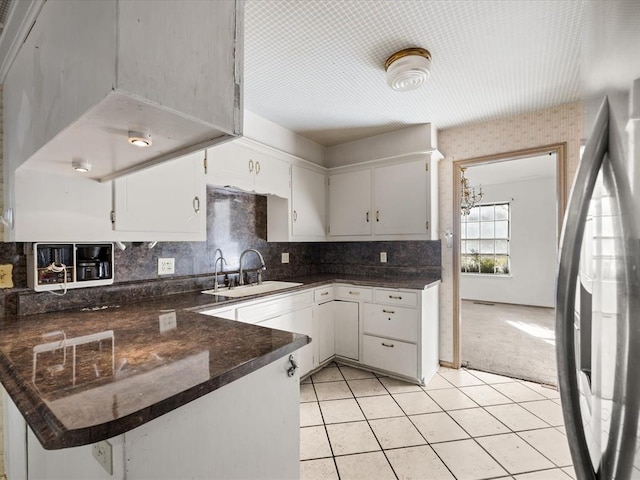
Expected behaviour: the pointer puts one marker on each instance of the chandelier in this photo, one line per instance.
(468, 195)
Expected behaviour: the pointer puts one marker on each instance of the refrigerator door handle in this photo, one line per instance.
(568, 269)
(619, 455)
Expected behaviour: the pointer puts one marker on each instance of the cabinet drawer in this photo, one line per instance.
(391, 321)
(272, 308)
(395, 297)
(354, 293)
(323, 294)
(391, 355)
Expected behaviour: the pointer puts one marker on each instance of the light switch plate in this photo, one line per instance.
(383, 257)
(285, 258)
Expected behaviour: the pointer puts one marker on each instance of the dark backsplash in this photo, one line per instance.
(235, 221)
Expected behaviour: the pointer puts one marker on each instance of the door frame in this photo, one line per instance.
(560, 149)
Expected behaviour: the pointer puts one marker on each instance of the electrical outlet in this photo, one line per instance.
(383, 257)
(166, 266)
(285, 258)
(168, 321)
(102, 452)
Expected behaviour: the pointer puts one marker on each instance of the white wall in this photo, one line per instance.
(532, 246)
(268, 133)
(560, 124)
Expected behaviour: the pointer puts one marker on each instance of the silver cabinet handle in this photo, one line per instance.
(388, 345)
(292, 369)
(324, 293)
(377, 215)
(351, 292)
(295, 216)
(250, 166)
(388, 311)
(196, 204)
(257, 168)
(367, 216)
(568, 270)
(395, 297)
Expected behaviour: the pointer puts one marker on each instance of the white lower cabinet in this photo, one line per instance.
(210, 437)
(300, 321)
(347, 329)
(395, 331)
(324, 317)
(390, 355)
(289, 312)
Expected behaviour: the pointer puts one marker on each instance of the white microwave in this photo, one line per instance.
(61, 266)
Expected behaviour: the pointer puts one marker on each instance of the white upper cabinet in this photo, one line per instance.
(244, 165)
(390, 201)
(168, 201)
(308, 200)
(90, 72)
(350, 203)
(401, 193)
(163, 203)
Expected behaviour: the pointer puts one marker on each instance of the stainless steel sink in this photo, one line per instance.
(246, 290)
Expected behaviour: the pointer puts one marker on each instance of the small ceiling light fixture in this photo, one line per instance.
(139, 139)
(81, 165)
(468, 195)
(408, 69)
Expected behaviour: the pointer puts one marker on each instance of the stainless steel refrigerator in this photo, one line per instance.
(598, 296)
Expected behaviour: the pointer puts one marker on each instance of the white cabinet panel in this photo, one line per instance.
(60, 208)
(242, 165)
(390, 355)
(349, 292)
(300, 321)
(396, 297)
(324, 317)
(347, 329)
(391, 321)
(401, 193)
(350, 203)
(170, 197)
(308, 200)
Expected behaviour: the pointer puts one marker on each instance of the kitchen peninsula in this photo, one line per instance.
(218, 390)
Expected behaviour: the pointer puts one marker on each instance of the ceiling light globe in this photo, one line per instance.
(408, 69)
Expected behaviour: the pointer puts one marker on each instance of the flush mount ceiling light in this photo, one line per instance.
(139, 139)
(81, 165)
(408, 69)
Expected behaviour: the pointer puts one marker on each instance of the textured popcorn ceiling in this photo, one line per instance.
(317, 67)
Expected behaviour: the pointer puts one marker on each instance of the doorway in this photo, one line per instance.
(505, 262)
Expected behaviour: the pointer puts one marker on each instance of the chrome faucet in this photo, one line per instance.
(263, 267)
(215, 266)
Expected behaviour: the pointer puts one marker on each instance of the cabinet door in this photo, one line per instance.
(308, 199)
(401, 193)
(169, 197)
(300, 321)
(229, 166)
(350, 203)
(324, 317)
(347, 329)
(272, 175)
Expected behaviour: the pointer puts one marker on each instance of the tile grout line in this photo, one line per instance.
(406, 415)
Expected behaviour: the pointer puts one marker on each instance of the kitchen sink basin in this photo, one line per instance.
(246, 290)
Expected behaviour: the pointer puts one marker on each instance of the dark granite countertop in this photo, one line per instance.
(137, 361)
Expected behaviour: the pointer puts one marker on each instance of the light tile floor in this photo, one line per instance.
(463, 425)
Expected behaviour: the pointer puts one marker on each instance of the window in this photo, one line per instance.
(484, 237)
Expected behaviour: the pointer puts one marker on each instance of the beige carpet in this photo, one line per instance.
(512, 340)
